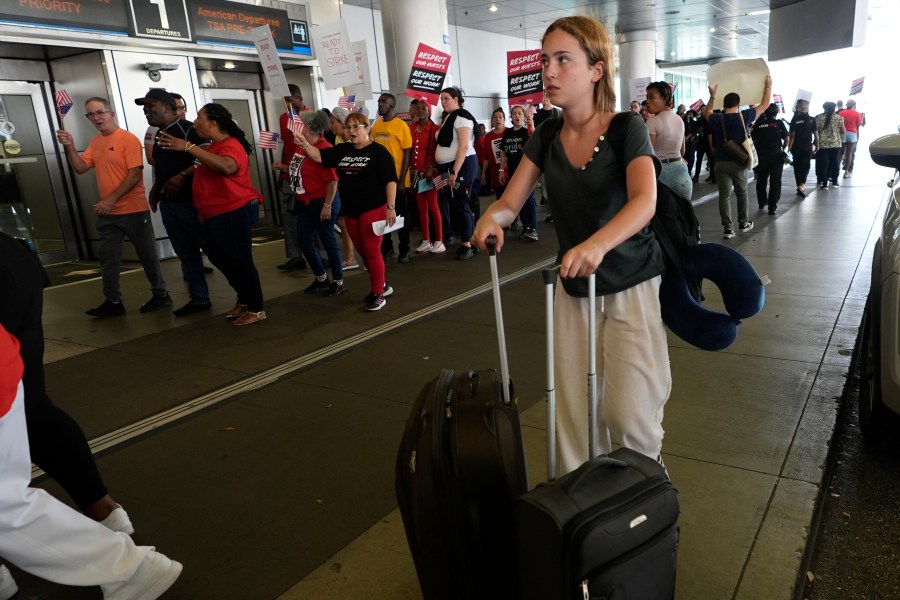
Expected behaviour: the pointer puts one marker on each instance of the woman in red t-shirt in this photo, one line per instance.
(853, 120)
(228, 205)
(315, 204)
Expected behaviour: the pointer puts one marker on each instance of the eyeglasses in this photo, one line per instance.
(96, 113)
(356, 125)
(182, 107)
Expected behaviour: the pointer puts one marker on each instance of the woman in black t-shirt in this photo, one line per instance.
(512, 146)
(367, 179)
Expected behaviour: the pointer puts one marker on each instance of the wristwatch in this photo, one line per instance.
(390, 207)
(451, 172)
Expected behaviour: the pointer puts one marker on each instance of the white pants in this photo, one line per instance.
(43, 536)
(633, 374)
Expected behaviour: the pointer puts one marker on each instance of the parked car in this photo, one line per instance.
(879, 351)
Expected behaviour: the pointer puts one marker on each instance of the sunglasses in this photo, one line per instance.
(96, 113)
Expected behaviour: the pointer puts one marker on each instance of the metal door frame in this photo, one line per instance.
(40, 94)
(257, 113)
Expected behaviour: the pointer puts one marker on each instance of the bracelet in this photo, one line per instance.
(188, 146)
(391, 207)
(326, 206)
(711, 97)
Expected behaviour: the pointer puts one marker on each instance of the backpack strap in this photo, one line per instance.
(615, 136)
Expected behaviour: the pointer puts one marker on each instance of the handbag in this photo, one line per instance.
(739, 153)
(748, 145)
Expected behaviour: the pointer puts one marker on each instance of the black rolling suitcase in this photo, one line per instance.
(460, 466)
(606, 530)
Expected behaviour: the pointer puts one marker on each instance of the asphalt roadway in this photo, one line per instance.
(856, 551)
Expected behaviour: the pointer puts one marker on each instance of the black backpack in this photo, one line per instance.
(675, 224)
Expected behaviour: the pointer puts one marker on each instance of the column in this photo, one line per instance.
(637, 58)
(406, 23)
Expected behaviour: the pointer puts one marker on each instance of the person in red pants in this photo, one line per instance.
(423, 168)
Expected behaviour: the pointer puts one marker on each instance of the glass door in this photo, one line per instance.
(245, 110)
(32, 196)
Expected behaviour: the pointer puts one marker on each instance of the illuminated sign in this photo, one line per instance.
(160, 19)
(232, 23)
(105, 16)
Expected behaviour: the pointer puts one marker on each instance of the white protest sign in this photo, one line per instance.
(363, 89)
(268, 57)
(802, 95)
(335, 55)
(745, 77)
(639, 88)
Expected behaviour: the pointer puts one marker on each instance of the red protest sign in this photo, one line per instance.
(426, 78)
(524, 83)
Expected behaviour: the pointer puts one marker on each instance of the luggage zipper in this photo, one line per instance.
(584, 589)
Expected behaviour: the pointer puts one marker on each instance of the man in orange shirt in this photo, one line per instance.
(116, 155)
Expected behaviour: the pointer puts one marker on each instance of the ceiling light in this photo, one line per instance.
(493, 7)
(754, 13)
(228, 65)
(672, 53)
(712, 29)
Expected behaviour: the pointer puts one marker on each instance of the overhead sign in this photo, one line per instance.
(160, 19)
(300, 33)
(426, 78)
(335, 54)
(87, 15)
(218, 21)
(524, 71)
(271, 64)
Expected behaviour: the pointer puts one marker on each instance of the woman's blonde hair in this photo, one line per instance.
(596, 43)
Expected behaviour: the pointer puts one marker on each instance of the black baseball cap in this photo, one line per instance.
(156, 95)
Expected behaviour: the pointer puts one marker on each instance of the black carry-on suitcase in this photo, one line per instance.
(607, 530)
(460, 466)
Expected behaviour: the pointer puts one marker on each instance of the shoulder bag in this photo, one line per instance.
(748, 145)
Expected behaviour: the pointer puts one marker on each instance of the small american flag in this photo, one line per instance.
(268, 140)
(440, 181)
(857, 86)
(347, 102)
(696, 105)
(63, 103)
(294, 123)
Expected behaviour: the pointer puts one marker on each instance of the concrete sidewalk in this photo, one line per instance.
(747, 429)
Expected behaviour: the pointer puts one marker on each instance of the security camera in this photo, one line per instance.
(153, 69)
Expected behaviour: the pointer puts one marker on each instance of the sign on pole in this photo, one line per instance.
(335, 54)
(426, 78)
(363, 88)
(639, 88)
(804, 95)
(523, 72)
(268, 57)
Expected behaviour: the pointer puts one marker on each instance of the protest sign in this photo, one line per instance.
(335, 54)
(524, 83)
(268, 57)
(426, 78)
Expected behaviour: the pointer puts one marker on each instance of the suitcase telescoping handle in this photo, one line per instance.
(550, 276)
(491, 243)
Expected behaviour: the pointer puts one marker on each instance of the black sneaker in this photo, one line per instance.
(157, 302)
(388, 254)
(191, 307)
(745, 227)
(336, 289)
(386, 291)
(801, 193)
(549, 219)
(318, 286)
(293, 264)
(728, 234)
(465, 253)
(107, 309)
(404, 257)
(375, 303)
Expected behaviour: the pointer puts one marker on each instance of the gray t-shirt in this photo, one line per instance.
(586, 200)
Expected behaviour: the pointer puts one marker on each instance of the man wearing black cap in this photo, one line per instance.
(118, 163)
(171, 193)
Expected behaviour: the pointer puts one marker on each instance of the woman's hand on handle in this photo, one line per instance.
(581, 261)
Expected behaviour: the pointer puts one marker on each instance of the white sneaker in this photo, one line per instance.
(438, 248)
(118, 521)
(424, 247)
(8, 587)
(153, 577)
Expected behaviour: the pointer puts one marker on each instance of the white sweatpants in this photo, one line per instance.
(43, 536)
(633, 374)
